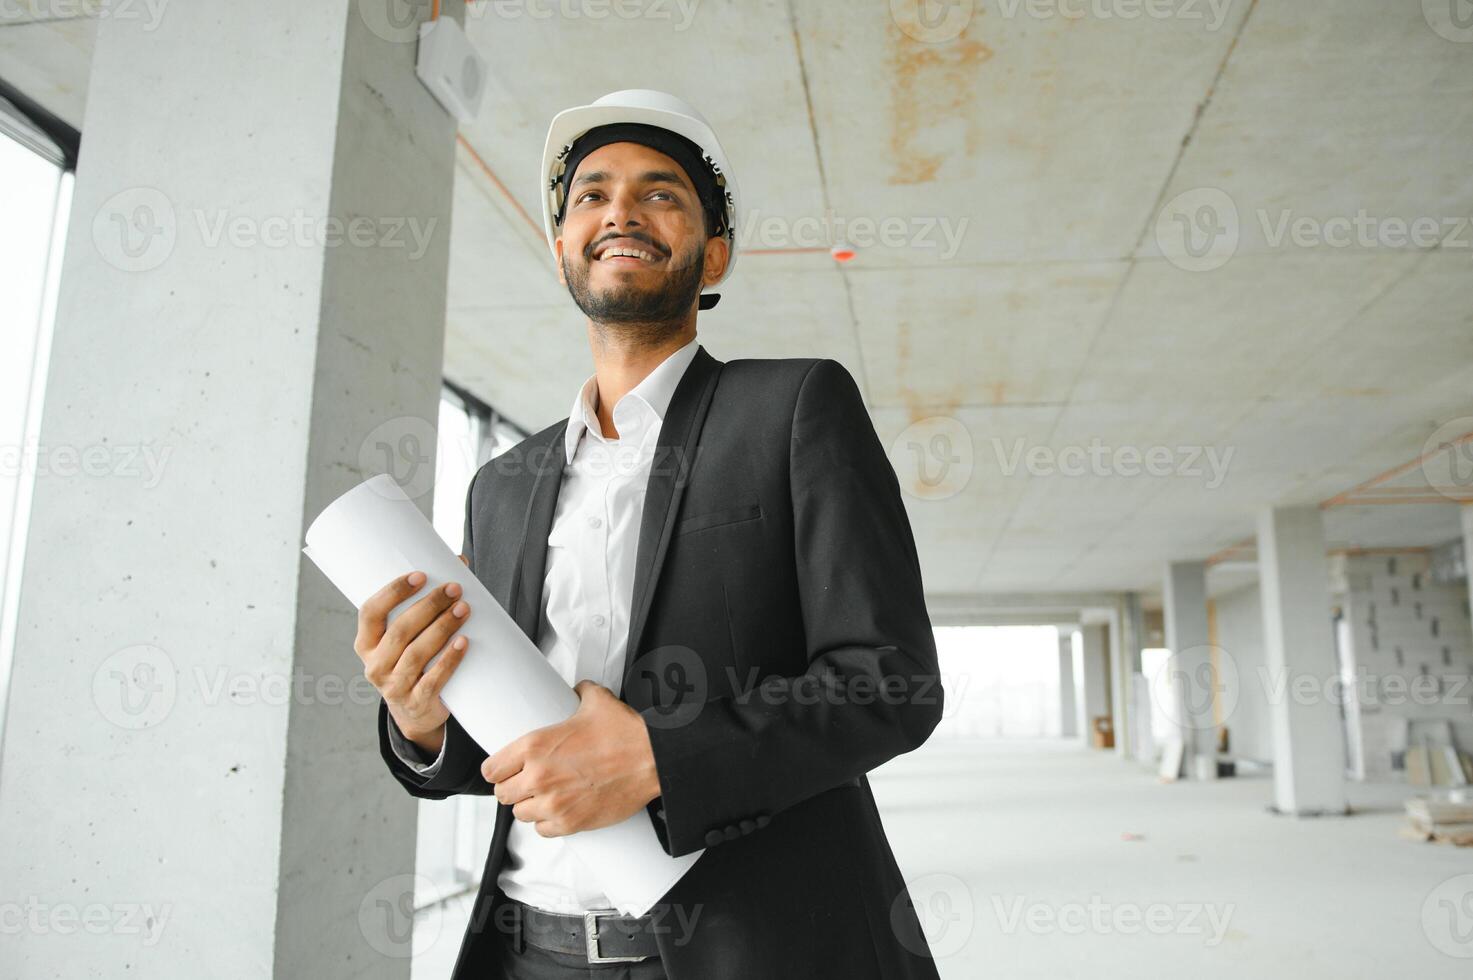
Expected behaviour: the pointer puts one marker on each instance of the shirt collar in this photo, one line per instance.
(655, 391)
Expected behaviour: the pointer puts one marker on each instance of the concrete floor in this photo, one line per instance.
(1040, 824)
(1017, 862)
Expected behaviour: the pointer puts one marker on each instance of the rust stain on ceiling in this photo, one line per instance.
(920, 404)
(933, 93)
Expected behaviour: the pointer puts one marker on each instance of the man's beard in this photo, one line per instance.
(669, 302)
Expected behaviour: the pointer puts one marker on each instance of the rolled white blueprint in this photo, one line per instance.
(504, 687)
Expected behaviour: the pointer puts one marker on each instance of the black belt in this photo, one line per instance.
(603, 936)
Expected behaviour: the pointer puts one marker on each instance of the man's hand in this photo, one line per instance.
(591, 771)
(394, 655)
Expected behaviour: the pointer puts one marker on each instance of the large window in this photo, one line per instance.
(469, 434)
(35, 198)
(1000, 681)
(455, 834)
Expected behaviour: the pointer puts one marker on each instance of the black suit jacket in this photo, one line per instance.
(779, 649)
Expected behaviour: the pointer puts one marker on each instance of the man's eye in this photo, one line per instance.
(585, 196)
(665, 194)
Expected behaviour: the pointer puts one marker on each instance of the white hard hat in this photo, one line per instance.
(651, 108)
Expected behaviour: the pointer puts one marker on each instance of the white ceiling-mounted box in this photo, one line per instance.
(451, 68)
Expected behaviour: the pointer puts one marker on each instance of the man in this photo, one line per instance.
(717, 555)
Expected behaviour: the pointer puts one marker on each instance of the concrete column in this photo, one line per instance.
(1191, 681)
(1125, 636)
(191, 779)
(1467, 513)
(1309, 751)
(1115, 629)
(1068, 699)
(1094, 690)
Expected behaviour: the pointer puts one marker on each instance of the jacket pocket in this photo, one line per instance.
(719, 518)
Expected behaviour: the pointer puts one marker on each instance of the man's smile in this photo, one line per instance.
(627, 251)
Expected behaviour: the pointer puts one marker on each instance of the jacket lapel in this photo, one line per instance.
(675, 455)
(547, 462)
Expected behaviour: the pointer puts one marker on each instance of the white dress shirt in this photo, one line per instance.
(587, 592)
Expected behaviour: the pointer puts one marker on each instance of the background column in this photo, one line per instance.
(1125, 637)
(1184, 608)
(251, 321)
(1309, 751)
(1068, 697)
(1094, 691)
(1467, 512)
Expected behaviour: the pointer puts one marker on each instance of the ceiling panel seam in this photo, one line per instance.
(823, 186)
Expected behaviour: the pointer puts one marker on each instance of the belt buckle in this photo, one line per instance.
(590, 939)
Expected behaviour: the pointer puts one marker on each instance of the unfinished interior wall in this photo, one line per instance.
(1411, 646)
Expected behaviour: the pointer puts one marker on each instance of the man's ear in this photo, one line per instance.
(718, 251)
(557, 246)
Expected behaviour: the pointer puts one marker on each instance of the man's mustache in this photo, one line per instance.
(638, 236)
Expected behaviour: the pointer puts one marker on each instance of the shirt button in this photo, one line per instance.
(599, 620)
(595, 522)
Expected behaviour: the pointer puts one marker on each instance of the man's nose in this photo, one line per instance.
(623, 212)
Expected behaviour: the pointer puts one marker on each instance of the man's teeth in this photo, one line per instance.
(631, 252)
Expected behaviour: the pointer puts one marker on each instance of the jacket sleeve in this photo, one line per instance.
(410, 754)
(872, 688)
(458, 767)
(460, 764)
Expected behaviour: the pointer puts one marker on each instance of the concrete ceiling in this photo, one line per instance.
(1066, 158)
